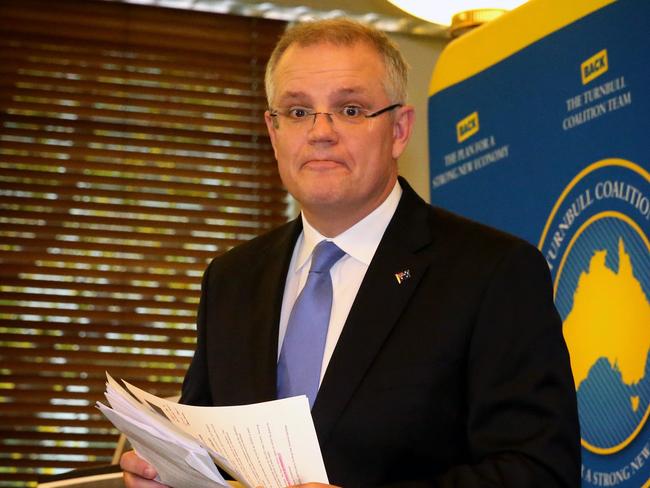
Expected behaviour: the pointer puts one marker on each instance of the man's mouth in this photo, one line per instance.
(322, 164)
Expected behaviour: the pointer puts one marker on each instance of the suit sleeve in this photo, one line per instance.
(196, 387)
(522, 423)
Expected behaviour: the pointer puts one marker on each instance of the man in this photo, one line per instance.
(444, 362)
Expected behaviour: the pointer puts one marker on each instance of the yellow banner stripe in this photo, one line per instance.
(504, 36)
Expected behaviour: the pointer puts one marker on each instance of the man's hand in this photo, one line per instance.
(137, 472)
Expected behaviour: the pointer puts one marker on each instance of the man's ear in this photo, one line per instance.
(271, 127)
(402, 128)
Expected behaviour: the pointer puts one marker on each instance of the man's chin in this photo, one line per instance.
(321, 195)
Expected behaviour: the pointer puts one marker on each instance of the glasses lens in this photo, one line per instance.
(349, 115)
(345, 116)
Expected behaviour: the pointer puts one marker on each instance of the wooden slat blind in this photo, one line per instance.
(132, 151)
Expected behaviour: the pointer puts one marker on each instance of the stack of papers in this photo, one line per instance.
(271, 444)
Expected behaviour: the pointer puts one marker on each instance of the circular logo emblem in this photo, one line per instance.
(596, 244)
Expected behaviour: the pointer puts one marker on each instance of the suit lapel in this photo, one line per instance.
(379, 304)
(269, 275)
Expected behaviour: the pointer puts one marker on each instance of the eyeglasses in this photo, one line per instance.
(348, 115)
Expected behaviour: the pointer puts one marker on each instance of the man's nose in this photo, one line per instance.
(323, 128)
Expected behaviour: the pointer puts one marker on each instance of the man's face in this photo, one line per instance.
(339, 172)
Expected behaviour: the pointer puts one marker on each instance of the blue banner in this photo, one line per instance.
(552, 143)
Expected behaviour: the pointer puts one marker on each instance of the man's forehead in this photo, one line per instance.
(342, 69)
(326, 56)
(335, 92)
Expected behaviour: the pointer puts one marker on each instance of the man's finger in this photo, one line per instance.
(130, 462)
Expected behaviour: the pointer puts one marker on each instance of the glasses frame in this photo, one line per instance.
(274, 113)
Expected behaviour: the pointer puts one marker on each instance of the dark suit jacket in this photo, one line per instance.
(459, 376)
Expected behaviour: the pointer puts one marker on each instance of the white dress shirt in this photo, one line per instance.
(359, 243)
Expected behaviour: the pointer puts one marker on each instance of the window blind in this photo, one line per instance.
(132, 151)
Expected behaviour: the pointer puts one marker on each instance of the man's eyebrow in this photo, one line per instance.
(292, 96)
(358, 94)
(303, 97)
(351, 90)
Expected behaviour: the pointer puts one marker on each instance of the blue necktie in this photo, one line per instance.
(301, 355)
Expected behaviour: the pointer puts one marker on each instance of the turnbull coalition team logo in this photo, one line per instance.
(596, 244)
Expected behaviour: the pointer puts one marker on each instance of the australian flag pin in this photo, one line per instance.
(403, 276)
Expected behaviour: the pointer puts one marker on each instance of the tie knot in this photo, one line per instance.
(325, 254)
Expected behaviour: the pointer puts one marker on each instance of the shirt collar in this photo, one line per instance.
(359, 241)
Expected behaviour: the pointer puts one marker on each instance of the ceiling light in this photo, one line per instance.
(441, 11)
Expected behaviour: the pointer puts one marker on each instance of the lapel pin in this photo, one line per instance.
(403, 276)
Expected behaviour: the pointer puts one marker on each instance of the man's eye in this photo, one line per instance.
(297, 113)
(351, 111)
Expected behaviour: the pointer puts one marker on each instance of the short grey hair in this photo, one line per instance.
(343, 32)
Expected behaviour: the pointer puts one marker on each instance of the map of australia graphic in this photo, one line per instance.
(608, 335)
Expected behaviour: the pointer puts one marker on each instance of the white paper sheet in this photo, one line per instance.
(271, 444)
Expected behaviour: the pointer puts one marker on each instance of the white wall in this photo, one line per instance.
(421, 53)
